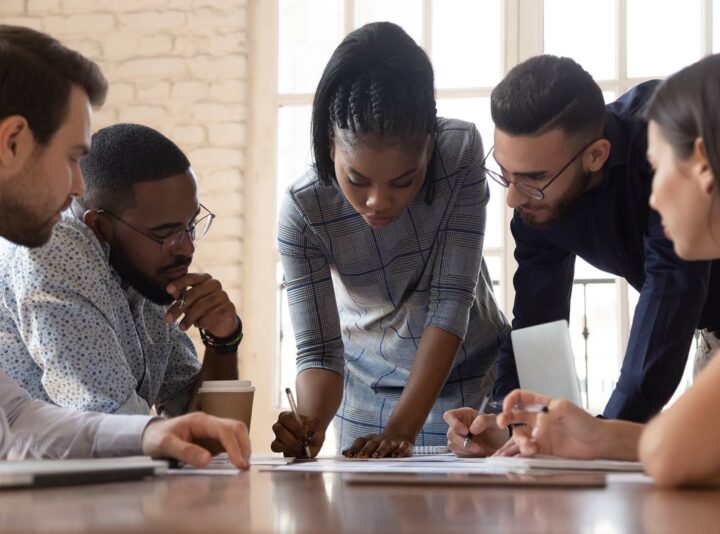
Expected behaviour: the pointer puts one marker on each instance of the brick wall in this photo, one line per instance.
(179, 66)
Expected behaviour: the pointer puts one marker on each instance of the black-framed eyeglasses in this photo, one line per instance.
(197, 229)
(536, 193)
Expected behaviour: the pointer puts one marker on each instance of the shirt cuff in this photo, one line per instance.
(329, 364)
(121, 435)
(451, 316)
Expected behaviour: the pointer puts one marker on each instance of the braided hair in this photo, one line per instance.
(378, 83)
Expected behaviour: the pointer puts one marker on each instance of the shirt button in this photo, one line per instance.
(618, 252)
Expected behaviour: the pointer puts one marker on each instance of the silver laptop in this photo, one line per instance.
(44, 473)
(545, 361)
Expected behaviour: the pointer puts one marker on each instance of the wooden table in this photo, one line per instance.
(321, 503)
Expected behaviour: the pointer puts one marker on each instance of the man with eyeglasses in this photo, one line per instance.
(579, 182)
(47, 93)
(90, 320)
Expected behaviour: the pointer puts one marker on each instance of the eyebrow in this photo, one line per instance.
(82, 148)
(169, 226)
(531, 175)
(403, 175)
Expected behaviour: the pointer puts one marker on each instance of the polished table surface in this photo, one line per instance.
(257, 501)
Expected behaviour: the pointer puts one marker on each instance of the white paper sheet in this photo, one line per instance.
(554, 462)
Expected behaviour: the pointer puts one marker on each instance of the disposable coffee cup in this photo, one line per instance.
(228, 398)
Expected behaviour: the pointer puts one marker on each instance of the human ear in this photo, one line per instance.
(100, 226)
(17, 143)
(701, 166)
(598, 154)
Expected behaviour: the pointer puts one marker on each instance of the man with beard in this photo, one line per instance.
(579, 182)
(46, 97)
(89, 321)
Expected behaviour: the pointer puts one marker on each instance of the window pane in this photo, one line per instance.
(405, 13)
(593, 313)
(477, 111)
(592, 45)
(495, 268)
(662, 37)
(293, 146)
(466, 42)
(309, 31)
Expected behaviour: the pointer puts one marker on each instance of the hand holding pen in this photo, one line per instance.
(481, 411)
(473, 434)
(293, 408)
(551, 426)
(296, 435)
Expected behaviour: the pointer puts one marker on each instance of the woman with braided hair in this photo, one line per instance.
(381, 243)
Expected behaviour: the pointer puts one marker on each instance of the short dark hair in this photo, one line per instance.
(378, 82)
(546, 93)
(36, 74)
(123, 155)
(685, 108)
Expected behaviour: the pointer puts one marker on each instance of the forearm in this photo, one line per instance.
(429, 372)
(218, 366)
(618, 440)
(678, 446)
(215, 366)
(319, 394)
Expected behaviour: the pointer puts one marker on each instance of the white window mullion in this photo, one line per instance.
(706, 33)
(349, 16)
(427, 33)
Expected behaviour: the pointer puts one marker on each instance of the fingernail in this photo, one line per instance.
(376, 455)
(168, 318)
(361, 455)
(170, 288)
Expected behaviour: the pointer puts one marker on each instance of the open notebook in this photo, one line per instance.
(37, 473)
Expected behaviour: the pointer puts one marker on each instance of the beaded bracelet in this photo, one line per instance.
(223, 345)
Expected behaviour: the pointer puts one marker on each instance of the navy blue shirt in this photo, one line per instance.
(613, 228)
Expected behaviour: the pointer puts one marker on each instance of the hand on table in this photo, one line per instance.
(173, 438)
(381, 446)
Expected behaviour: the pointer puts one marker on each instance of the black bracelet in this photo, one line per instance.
(223, 345)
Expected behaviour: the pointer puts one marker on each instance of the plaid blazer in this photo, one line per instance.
(361, 297)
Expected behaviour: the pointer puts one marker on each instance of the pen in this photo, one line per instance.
(293, 408)
(530, 408)
(469, 435)
(181, 299)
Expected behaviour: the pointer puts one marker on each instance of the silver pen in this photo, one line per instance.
(293, 408)
(520, 407)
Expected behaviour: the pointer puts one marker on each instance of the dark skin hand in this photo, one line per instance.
(205, 305)
(319, 392)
